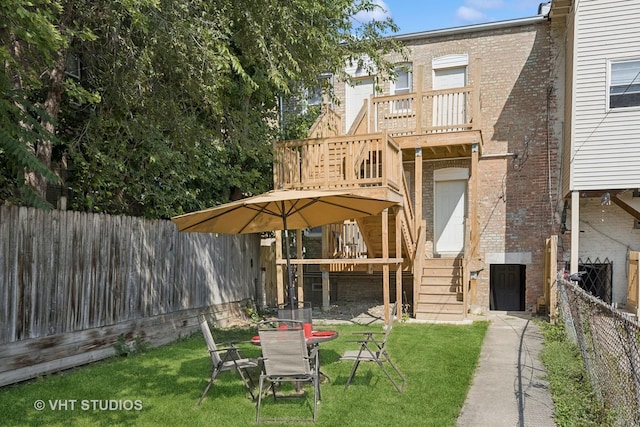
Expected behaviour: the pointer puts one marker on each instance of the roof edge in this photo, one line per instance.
(472, 28)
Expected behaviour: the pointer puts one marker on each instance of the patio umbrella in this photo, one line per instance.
(282, 210)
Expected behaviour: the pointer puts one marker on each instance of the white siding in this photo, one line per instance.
(607, 232)
(605, 144)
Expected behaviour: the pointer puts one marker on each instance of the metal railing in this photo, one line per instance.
(608, 339)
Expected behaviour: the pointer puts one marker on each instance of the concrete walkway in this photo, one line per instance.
(509, 388)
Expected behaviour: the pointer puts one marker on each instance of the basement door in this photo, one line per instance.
(507, 287)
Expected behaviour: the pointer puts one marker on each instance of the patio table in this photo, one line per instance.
(316, 338)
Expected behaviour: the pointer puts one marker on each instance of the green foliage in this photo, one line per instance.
(252, 311)
(125, 348)
(573, 398)
(121, 346)
(297, 127)
(176, 105)
(20, 130)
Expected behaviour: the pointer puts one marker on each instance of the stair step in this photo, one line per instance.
(438, 299)
(452, 307)
(442, 262)
(441, 287)
(439, 316)
(441, 271)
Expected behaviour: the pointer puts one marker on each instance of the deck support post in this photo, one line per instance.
(385, 266)
(399, 292)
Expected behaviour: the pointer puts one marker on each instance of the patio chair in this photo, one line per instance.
(286, 358)
(225, 359)
(373, 349)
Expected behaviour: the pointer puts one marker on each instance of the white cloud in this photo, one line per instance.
(379, 14)
(485, 4)
(469, 14)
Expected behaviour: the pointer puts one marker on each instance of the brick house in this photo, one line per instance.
(466, 140)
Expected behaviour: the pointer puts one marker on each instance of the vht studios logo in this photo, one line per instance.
(88, 405)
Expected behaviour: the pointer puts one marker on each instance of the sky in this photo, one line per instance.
(424, 15)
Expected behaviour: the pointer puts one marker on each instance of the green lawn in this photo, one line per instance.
(162, 386)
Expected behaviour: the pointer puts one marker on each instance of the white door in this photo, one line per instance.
(449, 216)
(449, 109)
(356, 94)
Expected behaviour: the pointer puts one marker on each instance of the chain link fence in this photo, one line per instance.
(608, 340)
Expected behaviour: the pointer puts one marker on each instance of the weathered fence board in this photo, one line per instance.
(64, 274)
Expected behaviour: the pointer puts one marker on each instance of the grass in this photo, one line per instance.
(161, 386)
(573, 399)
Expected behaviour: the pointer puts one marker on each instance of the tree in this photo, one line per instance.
(175, 107)
(28, 44)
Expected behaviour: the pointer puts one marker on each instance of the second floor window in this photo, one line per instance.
(624, 86)
(402, 85)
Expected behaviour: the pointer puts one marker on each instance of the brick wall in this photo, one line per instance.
(518, 173)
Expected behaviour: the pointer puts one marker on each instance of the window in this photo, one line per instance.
(316, 95)
(73, 66)
(624, 85)
(402, 85)
(313, 232)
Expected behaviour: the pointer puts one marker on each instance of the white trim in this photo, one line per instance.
(499, 258)
(354, 71)
(610, 62)
(450, 61)
(405, 67)
(450, 174)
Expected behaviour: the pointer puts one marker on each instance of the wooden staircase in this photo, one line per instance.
(439, 295)
(368, 160)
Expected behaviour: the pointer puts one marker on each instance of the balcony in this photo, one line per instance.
(356, 162)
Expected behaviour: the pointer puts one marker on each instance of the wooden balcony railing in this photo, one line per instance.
(346, 241)
(434, 111)
(339, 162)
(329, 123)
(426, 111)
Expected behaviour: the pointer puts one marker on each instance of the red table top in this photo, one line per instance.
(316, 337)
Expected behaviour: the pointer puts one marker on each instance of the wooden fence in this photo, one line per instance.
(633, 283)
(548, 302)
(71, 283)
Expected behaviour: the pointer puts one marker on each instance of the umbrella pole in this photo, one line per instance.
(292, 290)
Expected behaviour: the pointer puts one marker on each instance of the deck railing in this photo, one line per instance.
(346, 240)
(329, 123)
(434, 111)
(339, 162)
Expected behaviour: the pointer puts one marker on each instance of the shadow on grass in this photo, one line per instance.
(438, 362)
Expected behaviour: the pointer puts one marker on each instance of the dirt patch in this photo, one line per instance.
(363, 312)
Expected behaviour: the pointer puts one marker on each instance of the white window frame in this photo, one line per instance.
(611, 82)
(402, 106)
(316, 95)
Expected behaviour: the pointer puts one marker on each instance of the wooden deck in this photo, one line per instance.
(368, 160)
